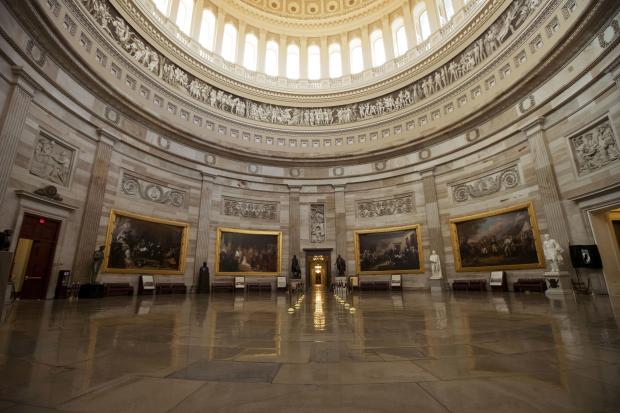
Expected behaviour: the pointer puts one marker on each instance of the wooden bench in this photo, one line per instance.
(223, 283)
(530, 284)
(469, 285)
(374, 285)
(170, 288)
(257, 285)
(117, 289)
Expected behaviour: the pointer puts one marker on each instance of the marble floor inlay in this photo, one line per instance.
(260, 352)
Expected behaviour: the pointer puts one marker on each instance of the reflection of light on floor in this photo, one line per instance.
(319, 314)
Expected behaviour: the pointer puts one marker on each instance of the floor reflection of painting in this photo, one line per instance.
(389, 250)
(141, 244)
(247, 252)
(497, 240)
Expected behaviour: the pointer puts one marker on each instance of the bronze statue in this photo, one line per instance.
(203, 279)
(295, 269)
(97, 261)
(341, 265)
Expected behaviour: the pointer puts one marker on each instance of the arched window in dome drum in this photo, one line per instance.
(314, 62)
(377, 48)
(356, 55)
(335, 60)
(292, 61)
(421, 21)
(250, 52)
(206, 37)
(445, 10)
(229, 42)
(271, 58)
(184, 15)
(400, 37)
(163, 6)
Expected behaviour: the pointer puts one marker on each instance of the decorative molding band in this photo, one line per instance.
(451, 72)
(250, 208)
(488, 184)
(594, 148)
(317, 223)
(402, 204)
(134, 186)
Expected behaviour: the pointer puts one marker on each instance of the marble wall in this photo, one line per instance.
(558, 155)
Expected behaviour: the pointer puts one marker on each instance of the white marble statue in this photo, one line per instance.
(553, 253)
(435, 266)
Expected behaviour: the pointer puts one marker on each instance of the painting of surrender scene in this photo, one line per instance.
(139, 244)
(248, 252)
(503, 239)
(389, 250)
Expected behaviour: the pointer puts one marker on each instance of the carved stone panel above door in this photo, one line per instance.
(52, 160)
(594, 148)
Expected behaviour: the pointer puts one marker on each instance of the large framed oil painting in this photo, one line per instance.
(503, 239)
(248, 252)
(138, 244)
(389, 250)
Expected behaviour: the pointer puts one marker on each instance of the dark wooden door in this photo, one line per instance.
(44, 233)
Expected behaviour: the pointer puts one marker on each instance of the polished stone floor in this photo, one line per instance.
(262, 352)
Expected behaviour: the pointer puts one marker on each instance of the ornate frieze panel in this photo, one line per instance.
(317, 223)
(402, 204)
(250, 208)
(594, 148)
(491, 40)
(52, 160)
(487, 184)
(136, 186)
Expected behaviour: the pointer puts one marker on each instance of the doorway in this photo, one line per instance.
(34, 256)
(318, 265)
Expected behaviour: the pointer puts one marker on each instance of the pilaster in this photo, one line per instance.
(388, 39)
(409, 29)
(93, 207)
(294, 224)
(557, 223)
(202, 232)
(344, 53)
(12, 123)
(341, 222)
(433, 221)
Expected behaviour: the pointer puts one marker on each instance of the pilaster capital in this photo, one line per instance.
(425, 173)
(338, 187)
(23, 80)
(207, 177)
(294, 188)
(534, 127)
(106, 137)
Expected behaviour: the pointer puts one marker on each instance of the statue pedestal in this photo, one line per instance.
(558, 284)
(436, 285)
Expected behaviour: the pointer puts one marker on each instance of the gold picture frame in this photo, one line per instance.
(365, 262)
(140, 244)
(235, 263)
(489, 248)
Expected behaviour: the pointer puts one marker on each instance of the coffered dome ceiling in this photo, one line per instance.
(307, 9)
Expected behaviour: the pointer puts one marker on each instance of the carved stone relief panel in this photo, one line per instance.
(52, 160)
(487, 184)
(135, 186)
(402, 204)
(111, 22)
(250, 208)
(317, 223)
(594, 148)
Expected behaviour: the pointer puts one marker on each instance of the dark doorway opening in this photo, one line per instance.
(34, 256)
(318, 267)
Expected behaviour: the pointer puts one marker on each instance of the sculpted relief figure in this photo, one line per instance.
(595, 149)
(511, 19)
(52, 161)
